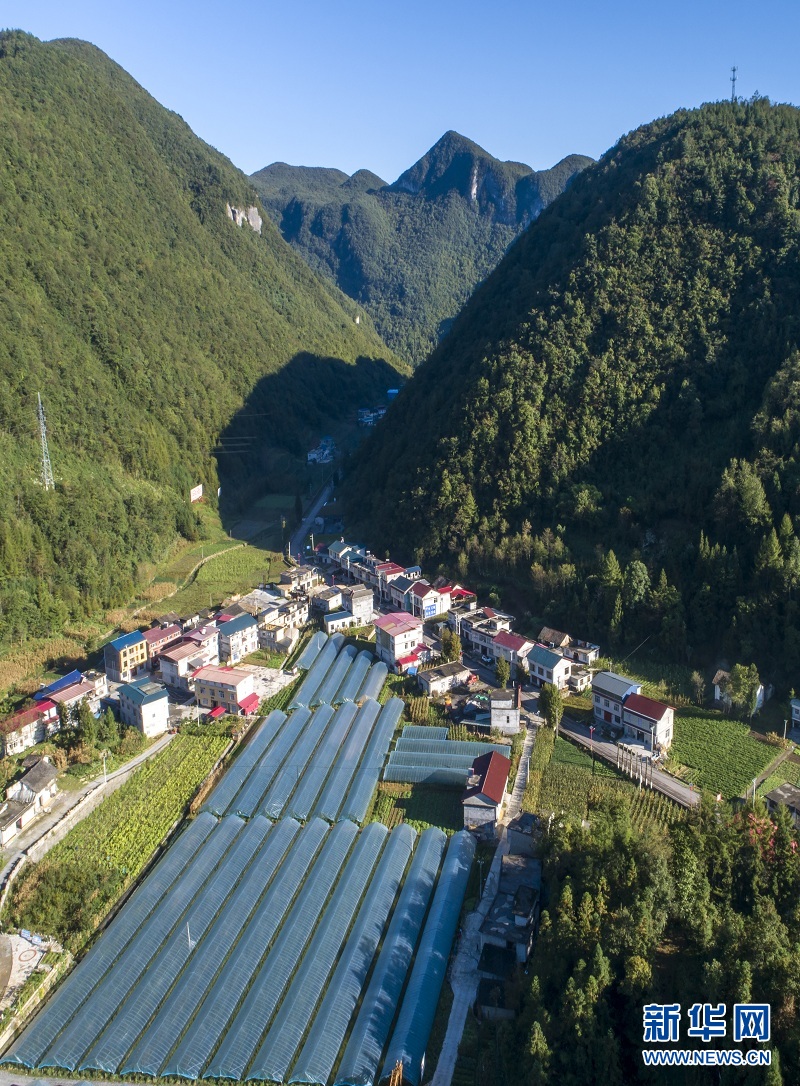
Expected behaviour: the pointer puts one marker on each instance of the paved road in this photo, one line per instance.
(298, 540)
(603, 748)
(65, 801)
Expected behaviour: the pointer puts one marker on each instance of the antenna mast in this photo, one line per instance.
(47, 470)
(734, 70)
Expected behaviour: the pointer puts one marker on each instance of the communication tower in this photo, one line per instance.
(734, 70)
(47, 470)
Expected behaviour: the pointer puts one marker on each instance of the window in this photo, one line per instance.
(605, 702)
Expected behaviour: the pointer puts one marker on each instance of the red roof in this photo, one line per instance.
(398, 622)
(46, 706)
(646, 707)
(461, 593)
(489, 612)
(249, 704)
(422, 588)
(20, 720)
(162, 633)
(493, 769)
(216, 712)
(511, 641)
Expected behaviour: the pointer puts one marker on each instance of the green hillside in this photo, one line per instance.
(411, 252)
(146, 317)
(628, 379)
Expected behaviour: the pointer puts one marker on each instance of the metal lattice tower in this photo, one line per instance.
(734, 70)
(47, 470)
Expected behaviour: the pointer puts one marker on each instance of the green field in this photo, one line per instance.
(716, 753)
(420, 805)
(567, 786)
(229, 574)
(68, 892)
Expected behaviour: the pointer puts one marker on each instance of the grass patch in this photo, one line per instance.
(719, 754)
(235, 571)
(664, 682)
(420, 805)
(265, 658)
(788, 772)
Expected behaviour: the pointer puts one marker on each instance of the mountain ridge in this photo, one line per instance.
(411, 251)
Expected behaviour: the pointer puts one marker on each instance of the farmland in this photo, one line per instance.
(231, 572)
(788, 772)
(716, 753)
(419, 805)
(71, 889)
(563, 783)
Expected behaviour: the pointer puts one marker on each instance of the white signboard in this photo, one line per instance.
(196, 493)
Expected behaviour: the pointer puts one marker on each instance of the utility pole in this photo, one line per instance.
(47, 470)
(734, 70)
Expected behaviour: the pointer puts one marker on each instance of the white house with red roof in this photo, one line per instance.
(485, 796)
(648, 721)
(397, 635)
(230, 687)
(28, 727)
(427, 601)
(511, 647)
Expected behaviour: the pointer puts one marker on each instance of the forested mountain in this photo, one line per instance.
(411, 252)
(613, 425)
(145, 310)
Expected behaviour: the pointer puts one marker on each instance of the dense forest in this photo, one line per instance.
(612, 427)
(705, 912)
(413, 251)
(146, 317)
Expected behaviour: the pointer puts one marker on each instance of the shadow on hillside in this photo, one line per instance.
(263, 449)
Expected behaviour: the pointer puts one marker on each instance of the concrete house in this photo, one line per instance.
(504, 711)
(795, 707)
(230, 687)
(648, 721)
(207, 640)
(360, 602)
(511, 647)
(396, 635)
(546, 666)
(144, 705)
(785, 795)
(484, 799)
(439, 680)
(609, 692)
(125, 657)
(36, 786)
(179, 664)
(159, 638)
(300, 578)
(28, 727)
(478, 628)
(400, 592)
(238, 638)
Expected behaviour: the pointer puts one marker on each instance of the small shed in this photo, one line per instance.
(485, 796)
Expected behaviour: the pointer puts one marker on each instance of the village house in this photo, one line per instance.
(788, 796)
(159, 638)
(609, 692)
(37, 785)
(427, 601)
(485, 796)
(338, 621)
(386, 573)
(411, 663)
(722, 697)
(238, 638)
(396, 635)
(28, 727)
(440, 680)
(70, 698)
(648, 721)
(207, 640)
(511, 647)
(343, 554)
(546, 666)
(582, 652)
(231, 688)
(360, 602)
(144, 705)
(510, 925)
(125, 657)
(179, 664)
(504, 710)
(400, 592)
(300, 579)
(478, 628)
(328, 600)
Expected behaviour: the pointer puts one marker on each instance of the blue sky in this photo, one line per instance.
(353, 84)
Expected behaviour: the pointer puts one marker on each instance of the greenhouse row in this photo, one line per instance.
(339, 673)
(246, 952)
(324, 762)
(425, 759)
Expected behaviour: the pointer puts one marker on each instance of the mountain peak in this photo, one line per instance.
(456, 163)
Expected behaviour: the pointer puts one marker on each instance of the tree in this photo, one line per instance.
(698, 685)
(502, 671)
(108, 729)
(743, 688)
(86, 724)
(636, 585)
(551, 705)
(451, 645)
(298, 508)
